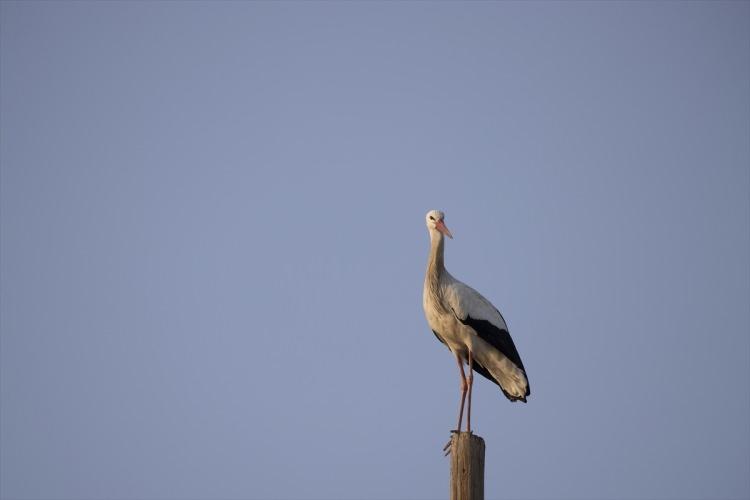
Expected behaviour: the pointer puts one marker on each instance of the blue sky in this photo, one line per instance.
(213, 245)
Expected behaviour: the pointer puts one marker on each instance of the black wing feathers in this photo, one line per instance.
(500, 339)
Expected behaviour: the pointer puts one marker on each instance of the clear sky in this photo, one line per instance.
(213, 246)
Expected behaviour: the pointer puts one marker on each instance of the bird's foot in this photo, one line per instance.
(447, 447)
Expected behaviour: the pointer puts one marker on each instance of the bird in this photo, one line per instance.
(470, 326)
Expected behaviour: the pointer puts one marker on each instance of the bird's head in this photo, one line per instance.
(435, 220)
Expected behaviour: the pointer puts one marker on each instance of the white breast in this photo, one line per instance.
(457, 336)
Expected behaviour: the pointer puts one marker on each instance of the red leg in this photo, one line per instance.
(471, 385)
(464, 388)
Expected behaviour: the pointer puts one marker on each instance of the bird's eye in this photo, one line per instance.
(432, 218)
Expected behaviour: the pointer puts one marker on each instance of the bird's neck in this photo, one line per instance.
(436, 261)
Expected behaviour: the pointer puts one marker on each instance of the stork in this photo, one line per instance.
(469, 325)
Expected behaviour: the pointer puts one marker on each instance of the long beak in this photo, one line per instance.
(440, 226)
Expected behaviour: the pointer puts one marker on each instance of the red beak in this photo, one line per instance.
(440, 226)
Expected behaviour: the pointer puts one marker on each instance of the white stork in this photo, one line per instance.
(471, 327)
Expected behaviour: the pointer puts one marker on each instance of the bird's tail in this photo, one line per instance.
(500, 370)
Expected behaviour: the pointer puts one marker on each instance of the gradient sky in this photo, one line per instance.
(213, 246)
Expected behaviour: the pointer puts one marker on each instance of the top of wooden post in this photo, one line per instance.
(467, 466)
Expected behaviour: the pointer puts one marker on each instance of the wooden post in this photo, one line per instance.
(467, 467)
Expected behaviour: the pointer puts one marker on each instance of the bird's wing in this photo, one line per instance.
(473, 310)
(465, 301)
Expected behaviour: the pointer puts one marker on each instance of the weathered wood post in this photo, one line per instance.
(467, 466)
